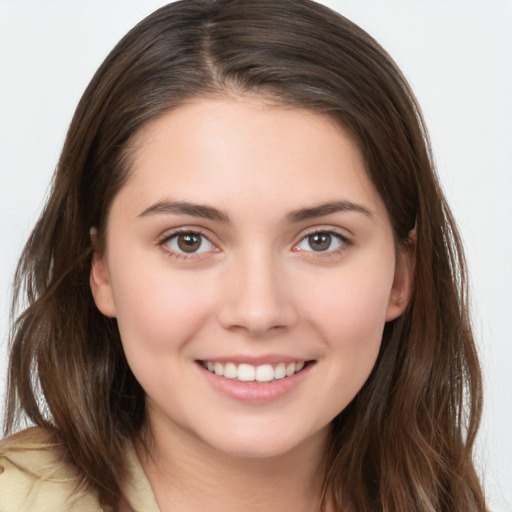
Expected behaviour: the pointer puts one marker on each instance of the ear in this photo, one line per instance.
(100, 281)
(404, 276)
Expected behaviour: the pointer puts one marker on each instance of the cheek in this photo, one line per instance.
(350, 314)
(159, 311)
(352, 305)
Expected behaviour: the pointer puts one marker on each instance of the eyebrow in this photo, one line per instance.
(185, 208)
(211, 213)
(326, 209)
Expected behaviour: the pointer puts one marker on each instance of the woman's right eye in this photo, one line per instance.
(188, 242)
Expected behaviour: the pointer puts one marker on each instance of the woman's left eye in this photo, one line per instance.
(322, 241)
(188, 242)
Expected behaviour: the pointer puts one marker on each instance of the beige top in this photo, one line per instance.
(36, 475)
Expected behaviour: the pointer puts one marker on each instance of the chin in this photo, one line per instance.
(261, 444)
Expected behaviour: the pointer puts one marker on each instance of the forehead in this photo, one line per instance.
(248, 152)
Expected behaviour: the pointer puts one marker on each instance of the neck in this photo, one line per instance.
(188, 476)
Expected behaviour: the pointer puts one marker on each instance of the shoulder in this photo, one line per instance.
(36, 475)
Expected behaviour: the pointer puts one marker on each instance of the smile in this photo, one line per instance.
(248, 373)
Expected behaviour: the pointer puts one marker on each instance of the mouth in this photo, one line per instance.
(263, 373)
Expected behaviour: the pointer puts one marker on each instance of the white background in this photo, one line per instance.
(457, 56)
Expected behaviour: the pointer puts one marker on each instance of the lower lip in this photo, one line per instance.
(256, 392)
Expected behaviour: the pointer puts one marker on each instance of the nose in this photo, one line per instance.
(256, 298)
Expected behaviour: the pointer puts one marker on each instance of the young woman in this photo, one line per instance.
(246, 289)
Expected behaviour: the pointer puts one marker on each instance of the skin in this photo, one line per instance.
(257, 287)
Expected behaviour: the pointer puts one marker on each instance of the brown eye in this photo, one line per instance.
(189, 242)
(319, 241)
(328, 242)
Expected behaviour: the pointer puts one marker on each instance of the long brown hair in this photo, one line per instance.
(405, 442)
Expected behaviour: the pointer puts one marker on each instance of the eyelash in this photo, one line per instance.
(184, 255)
(344, 242)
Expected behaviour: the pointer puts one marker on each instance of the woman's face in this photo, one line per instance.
(251, 266)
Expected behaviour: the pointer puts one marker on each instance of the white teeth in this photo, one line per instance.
(280, 371)
(246, 372)
(230, 371)
(218, 368)
(249, 373)
(265, 373)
